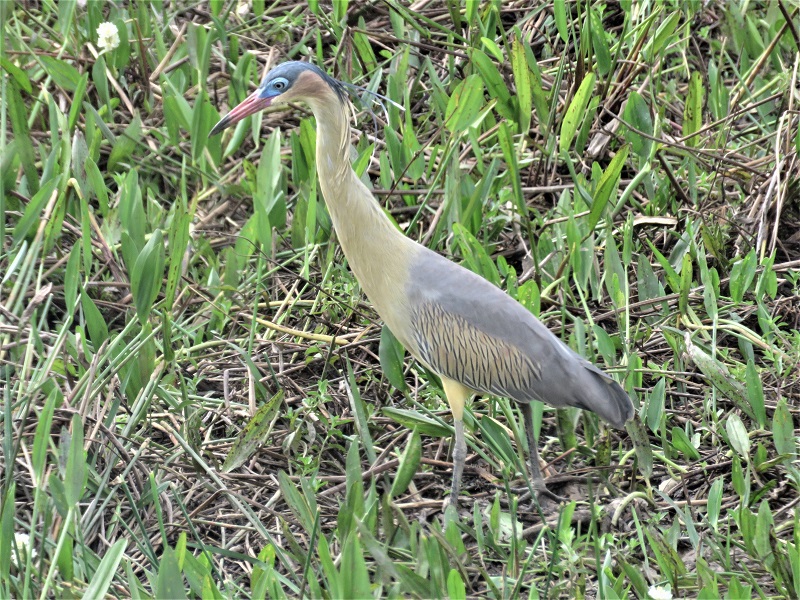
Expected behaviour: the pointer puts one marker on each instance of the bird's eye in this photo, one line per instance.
(279, 84)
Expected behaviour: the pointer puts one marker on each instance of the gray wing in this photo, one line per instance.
(468, 330)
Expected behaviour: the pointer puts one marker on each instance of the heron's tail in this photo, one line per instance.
(608, 399)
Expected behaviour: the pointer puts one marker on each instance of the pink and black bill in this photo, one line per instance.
(249, 106)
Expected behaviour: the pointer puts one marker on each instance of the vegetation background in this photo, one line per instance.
(197, 401)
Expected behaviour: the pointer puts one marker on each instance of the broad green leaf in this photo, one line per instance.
(355, 583)
(662, 35)
(106, 570)
(615, 277)
(743, 274)
(655, 405)
(32, 217)
(465, 104)
(125, 144)
(492, 47)
(98, 330)
(262, 573)
(76, 473)
(755, 393)
(714, 502)
(565, 425)
(494, 83)
(650, 287)
(178, 241)
(471, 12)
(364, 47)
(510, 156)
(576, 112)
(497, 438)
(360, 411)
(169, 582)
(253, 434)
(101, 81)
(560, 15)
(7, 531)
(476, 258)
(64, 74)
(586, 127)
(332, 576)
(413, 419)
(686, 284)
(391, 354)
(20, 77)
(77, 101)
(201, 124)
(693, 111)
(668, 559)
(637, 115)
(541, 99)
(763, 533)
(504, 526)
(354, 498)
(96, 186)
(600, 44)
(783, 430)
(739, 591)
(672, 277)
(409, 464)
(147, 276)
(130, 250)
(737, 433)
(522, 83)
(179, 108)
(65, 558)
(740, 483)
(708, 281)
(18, 114)
(41, 440)
(641, 444)
(268, 198)
(608, 183)
(305, 514)
(719, 376)
(683, 444)
(635, 576)
(210, 591)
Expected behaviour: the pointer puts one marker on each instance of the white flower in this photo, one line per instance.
(107, 36)
(22, 541)
(243, 7)
(657, 592)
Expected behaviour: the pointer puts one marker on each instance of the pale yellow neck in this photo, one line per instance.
(377, 252)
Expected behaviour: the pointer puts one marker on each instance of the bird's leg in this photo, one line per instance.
(457, 396)
(459, 457)
(537, 481)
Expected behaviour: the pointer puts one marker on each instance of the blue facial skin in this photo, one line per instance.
(278, 80)
(288, 73)
(274, 87)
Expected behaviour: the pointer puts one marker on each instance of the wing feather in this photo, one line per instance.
(468, 330)
(453, 347)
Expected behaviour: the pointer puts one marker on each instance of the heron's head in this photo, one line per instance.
(288, 82)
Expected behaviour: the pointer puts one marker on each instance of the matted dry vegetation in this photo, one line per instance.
(197, 400)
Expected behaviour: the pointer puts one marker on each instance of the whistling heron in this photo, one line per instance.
(460, 326)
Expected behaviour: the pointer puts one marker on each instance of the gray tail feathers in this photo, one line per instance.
(608, 399)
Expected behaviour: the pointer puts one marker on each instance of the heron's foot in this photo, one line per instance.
(451, 502)
(541, 491)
